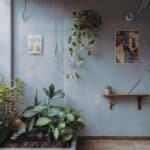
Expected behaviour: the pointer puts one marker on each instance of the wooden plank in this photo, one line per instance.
(126, 94)
(114, 138)
(139, 98)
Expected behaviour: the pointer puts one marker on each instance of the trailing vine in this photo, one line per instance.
(83, 35)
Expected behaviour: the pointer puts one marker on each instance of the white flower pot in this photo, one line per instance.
(107, 91)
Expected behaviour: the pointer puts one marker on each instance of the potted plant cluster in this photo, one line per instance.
(46, 124)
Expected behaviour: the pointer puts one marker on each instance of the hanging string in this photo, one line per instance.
(24, 11)
(144, 4)
(140, 78)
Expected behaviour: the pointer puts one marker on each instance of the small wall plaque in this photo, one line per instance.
(35, 44)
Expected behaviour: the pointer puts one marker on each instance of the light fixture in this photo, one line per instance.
(129, 16)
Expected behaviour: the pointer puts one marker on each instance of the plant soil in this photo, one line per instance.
(34, 143)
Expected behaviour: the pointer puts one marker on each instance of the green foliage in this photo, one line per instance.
(54, 122)
(52, 94)
(73, 75)
(42, 121)
(83, 34)
(10, 100)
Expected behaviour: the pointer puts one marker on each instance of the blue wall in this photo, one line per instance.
(38, 71)
(5, 41)
(100, 69)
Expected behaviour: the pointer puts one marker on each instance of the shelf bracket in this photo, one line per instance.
(139, 102)
(111, 103)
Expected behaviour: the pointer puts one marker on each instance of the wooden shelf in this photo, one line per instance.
(139, 97)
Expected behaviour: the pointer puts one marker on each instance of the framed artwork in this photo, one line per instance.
(35, 44)
(127, 46)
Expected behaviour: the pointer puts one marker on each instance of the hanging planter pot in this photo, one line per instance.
(86, 24)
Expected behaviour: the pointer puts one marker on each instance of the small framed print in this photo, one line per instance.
(35, 44)
(127, 46)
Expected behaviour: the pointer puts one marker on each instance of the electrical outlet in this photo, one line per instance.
(35, 44)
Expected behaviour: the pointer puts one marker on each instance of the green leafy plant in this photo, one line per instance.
(83, 35)
(10, 100)
(45, 120)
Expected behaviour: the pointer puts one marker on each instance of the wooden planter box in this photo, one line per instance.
(73, 147)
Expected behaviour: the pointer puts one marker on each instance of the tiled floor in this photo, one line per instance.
(113, 145)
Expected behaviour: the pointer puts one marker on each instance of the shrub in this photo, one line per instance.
(10, 99)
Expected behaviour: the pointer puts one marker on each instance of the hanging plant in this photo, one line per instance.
(83, 35)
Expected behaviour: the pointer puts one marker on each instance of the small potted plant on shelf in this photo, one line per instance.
(108, 90)
(47, 124)
(10, 99)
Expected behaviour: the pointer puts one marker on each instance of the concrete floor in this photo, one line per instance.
(113, 145)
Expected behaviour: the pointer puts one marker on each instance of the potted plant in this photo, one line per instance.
(84, 30)
(10, 98)
(108, 90)
(47, 124)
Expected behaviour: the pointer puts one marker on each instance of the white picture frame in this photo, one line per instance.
(35, 44)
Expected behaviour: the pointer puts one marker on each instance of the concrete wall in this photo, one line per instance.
(5, 38)
(100, 69)
(38, 71)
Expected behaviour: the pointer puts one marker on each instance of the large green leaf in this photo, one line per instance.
(39, 108)
(53, 112)
(43, 121)
(65, 131)
(62, 116)
(67, 134)
(46, 92)
(62, 125)
(77, 75)
(70, 117)
(22, 130)
(58, 96)
(31, 124)
(36, 98)
(58, 91)
(51, 90)
(29, 113)
(67, 137)
(56, 133)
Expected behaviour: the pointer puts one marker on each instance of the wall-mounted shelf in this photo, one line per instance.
(139, 97)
